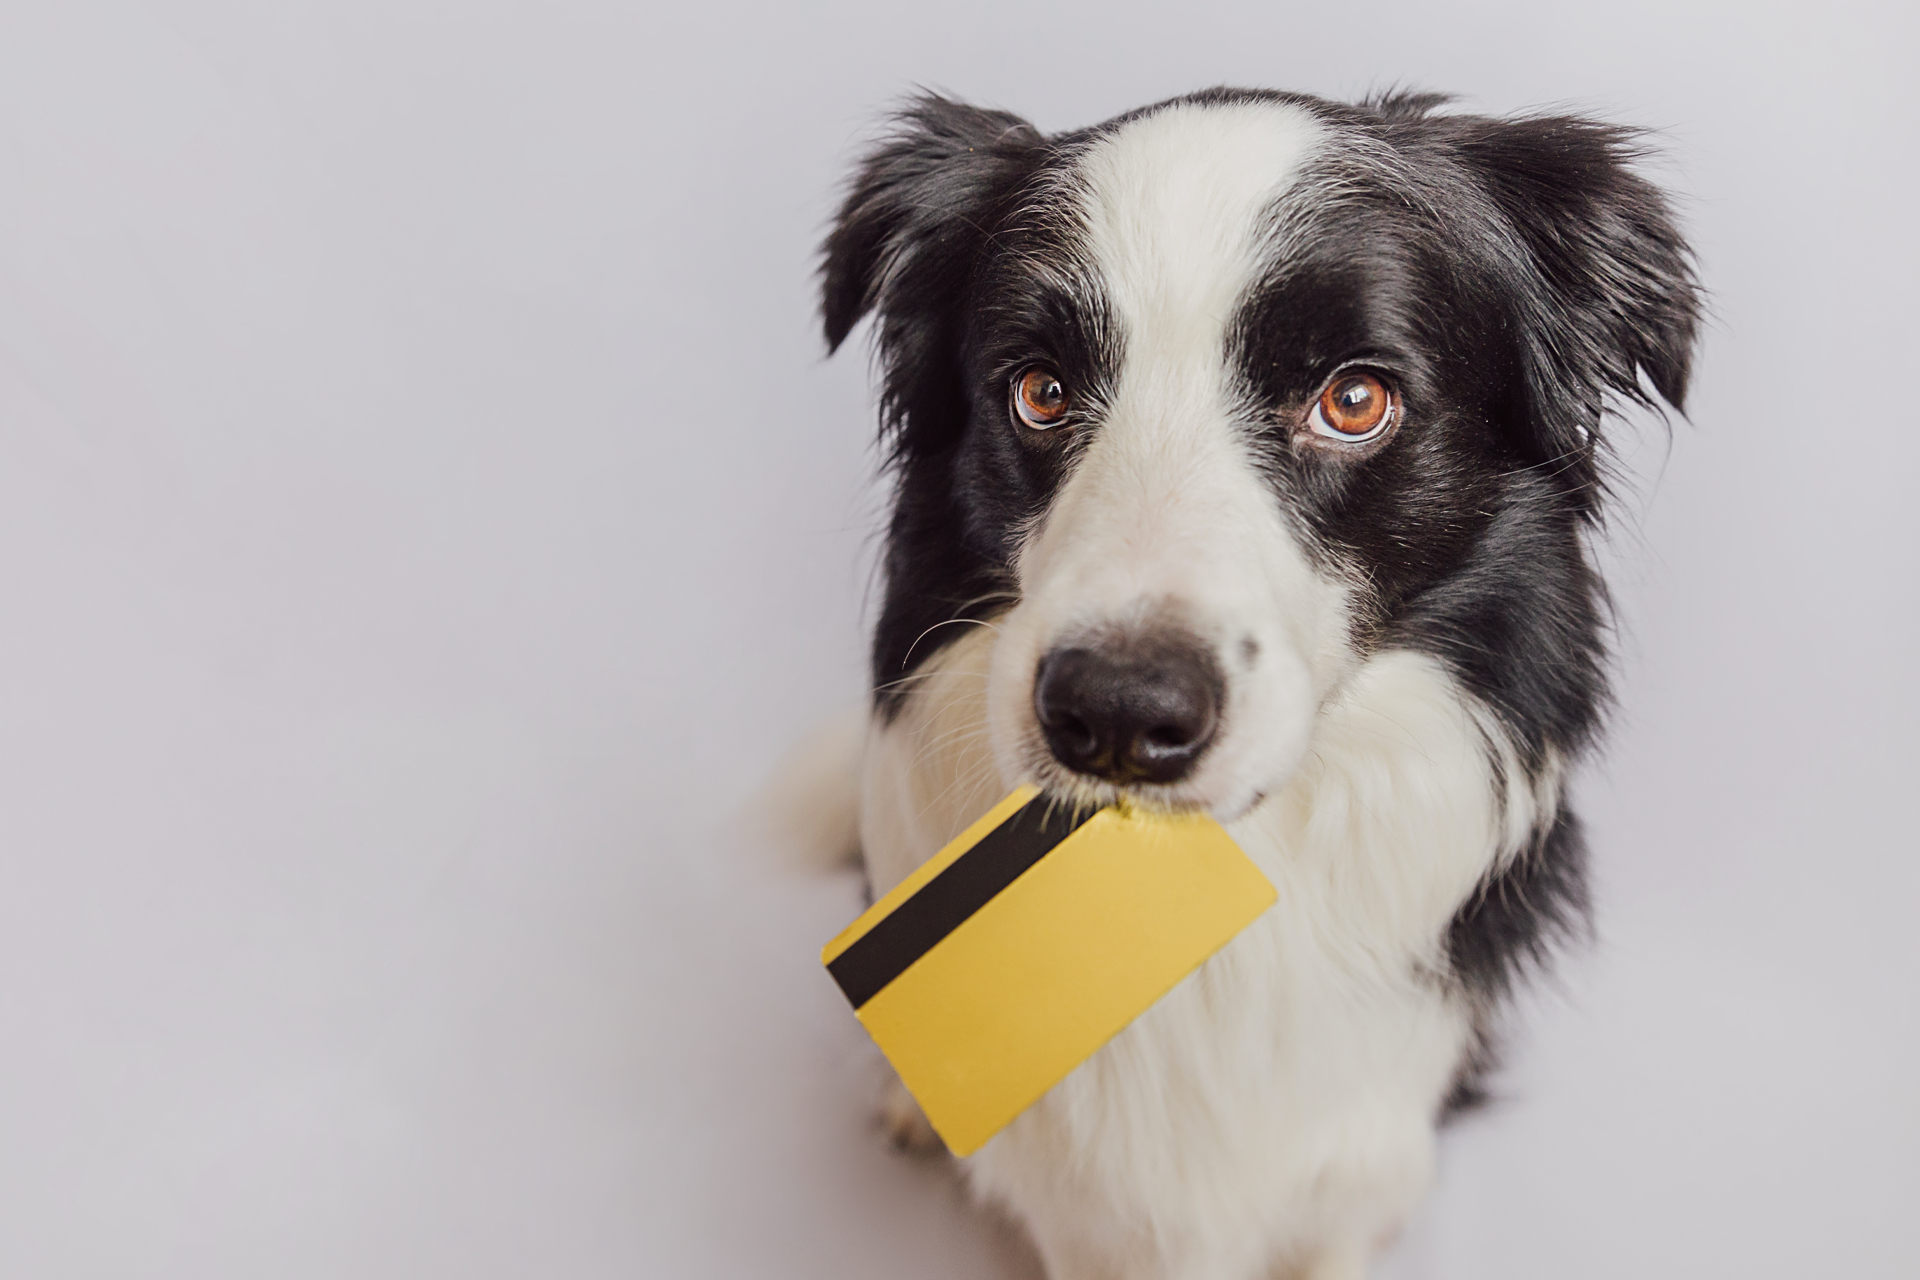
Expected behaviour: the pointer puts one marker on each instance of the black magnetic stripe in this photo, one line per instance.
(944, 902)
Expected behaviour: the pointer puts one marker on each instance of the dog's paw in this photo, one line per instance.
(905, 1124)
(806, 815)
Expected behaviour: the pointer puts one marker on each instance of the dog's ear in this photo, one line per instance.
(915, 212)
(1614, 289)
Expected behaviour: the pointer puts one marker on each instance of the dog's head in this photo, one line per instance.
(1206, 404)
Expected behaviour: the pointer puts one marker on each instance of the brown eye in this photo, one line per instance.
(1355, 407)
(1039, 398)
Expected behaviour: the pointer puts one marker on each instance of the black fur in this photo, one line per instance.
(1512, 276)
(1513, 922)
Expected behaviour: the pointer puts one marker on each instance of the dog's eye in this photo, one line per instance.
(1040, 398)
(1354, 408)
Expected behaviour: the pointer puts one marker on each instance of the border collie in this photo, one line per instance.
(1245, 449)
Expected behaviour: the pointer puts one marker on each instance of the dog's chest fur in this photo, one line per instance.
(1285, 1095)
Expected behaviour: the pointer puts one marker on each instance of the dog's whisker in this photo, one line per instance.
(950, 622)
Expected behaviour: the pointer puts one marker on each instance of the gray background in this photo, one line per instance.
(425, 515)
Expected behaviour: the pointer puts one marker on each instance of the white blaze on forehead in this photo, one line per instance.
(1174, 209)
(1166, 501)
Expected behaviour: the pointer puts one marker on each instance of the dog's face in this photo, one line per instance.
(1203, 406)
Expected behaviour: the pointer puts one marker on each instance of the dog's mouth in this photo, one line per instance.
(1102, 776)
(1079, 792)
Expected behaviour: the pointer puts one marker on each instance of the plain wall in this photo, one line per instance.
(426, 513)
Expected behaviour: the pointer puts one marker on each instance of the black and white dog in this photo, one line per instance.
(1257, 437)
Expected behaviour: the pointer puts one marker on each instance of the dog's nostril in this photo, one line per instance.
(1134, 708)
(1167, 735)
(1075, 731)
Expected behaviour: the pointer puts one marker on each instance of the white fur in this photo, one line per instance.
(1279, 1104)
(1273, 1115)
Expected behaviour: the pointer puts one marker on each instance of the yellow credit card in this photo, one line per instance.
(1009, 957)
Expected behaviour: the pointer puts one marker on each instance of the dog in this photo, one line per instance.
(1245, 451)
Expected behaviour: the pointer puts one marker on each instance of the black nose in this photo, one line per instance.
(1133, 709)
